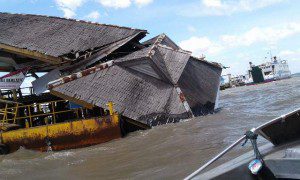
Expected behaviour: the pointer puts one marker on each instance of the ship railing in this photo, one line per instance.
(31, 111)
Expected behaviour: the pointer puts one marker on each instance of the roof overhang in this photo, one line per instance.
(31, 54)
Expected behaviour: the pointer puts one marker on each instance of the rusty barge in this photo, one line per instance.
(79, 67)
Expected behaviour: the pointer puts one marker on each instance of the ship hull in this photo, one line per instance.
(269, 80)
(61, 136)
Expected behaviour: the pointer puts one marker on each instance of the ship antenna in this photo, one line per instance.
(271, 56)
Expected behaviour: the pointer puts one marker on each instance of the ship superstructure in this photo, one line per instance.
(273, 70)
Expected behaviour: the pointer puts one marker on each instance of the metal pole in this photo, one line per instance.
(29, 113)
(110, 108)
(53, 112)
(215, 158)
(5, 113)
(113, 115)
(16, 113)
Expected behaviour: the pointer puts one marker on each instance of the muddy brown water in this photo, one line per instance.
(170, 151)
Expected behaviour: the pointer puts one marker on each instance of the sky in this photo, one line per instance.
(230, 32)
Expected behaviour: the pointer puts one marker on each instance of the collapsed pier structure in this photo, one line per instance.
(154, 85)
(89, 64)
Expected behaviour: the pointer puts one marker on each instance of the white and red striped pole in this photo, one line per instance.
(80, 74)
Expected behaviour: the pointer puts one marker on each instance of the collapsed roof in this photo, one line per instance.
(57, 40)
(154, 84)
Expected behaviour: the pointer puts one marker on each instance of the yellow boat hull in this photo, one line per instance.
(67, 135)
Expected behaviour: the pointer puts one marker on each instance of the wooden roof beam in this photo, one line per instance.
(31, 54)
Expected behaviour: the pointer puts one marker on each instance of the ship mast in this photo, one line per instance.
(271, 56)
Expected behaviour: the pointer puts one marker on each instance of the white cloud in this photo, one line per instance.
(119, 4)
(289, 53)
(94, 15)
(225, 7)
(68, 13)
(69, 6)
(219, 48)
(268, 35)
(200, 46)
(212, 3)
(141, 3)
(293, 57)
(115, 3)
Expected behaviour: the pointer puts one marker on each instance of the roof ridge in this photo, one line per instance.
(151, 51)
(80, 74)
(177, 50)
(208, 62)
(157, 41)
(76, 20)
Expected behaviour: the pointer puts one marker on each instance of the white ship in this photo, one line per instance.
(273, 70)
(276, 69)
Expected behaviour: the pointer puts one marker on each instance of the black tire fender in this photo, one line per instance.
(4, 149)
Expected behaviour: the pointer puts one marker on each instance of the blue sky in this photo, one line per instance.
(232, 32)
